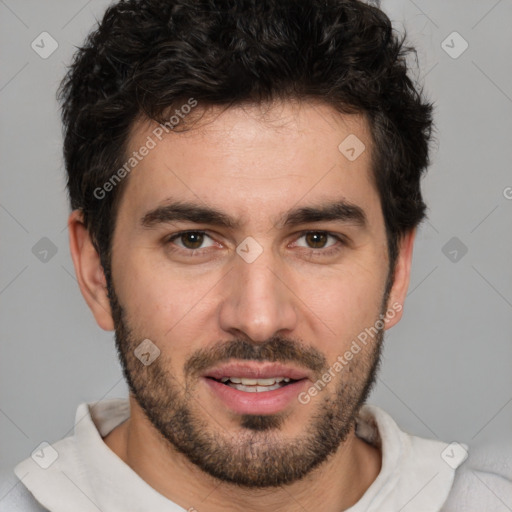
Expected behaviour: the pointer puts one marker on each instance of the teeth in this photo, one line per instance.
(259, 382)
(254, 389)
(255, 382)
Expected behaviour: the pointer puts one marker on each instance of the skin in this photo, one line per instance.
(255, 165)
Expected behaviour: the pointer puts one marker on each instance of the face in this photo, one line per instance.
(252, 254)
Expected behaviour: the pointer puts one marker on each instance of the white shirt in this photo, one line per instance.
(417, 474)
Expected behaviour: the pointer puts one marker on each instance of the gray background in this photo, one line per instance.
(447, 366)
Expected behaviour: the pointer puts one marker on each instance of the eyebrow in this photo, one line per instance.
(341, 210)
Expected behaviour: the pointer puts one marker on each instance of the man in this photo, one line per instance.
(245, 184)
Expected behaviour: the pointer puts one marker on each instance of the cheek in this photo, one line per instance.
(163, 302)
(346, 305)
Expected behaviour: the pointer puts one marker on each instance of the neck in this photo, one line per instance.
(353, 467)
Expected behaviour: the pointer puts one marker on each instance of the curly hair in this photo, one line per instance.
(148, 56)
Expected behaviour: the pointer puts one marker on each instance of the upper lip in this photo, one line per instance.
(256, 370)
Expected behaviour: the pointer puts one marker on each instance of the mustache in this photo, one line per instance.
(277, 349)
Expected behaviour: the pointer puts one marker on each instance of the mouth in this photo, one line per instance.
(256, 385)
(256, 388)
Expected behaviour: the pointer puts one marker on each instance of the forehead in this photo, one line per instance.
(254, 162)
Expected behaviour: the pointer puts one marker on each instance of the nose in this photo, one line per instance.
(259, 300)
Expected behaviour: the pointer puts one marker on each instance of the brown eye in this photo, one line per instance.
(192, 240)
(316, 240)
(321, 243)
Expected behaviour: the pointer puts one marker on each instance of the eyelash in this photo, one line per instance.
(317, 252)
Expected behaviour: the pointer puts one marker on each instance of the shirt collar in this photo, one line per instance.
(90, 477)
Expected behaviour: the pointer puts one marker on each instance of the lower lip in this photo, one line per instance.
(264, 402)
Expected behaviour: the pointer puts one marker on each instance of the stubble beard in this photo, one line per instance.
(258, 455)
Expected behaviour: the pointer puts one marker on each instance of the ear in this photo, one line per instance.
(402, 275)
(89, 271)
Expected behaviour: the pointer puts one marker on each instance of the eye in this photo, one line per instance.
(190, 240)
(318, 239)
(191, 243)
